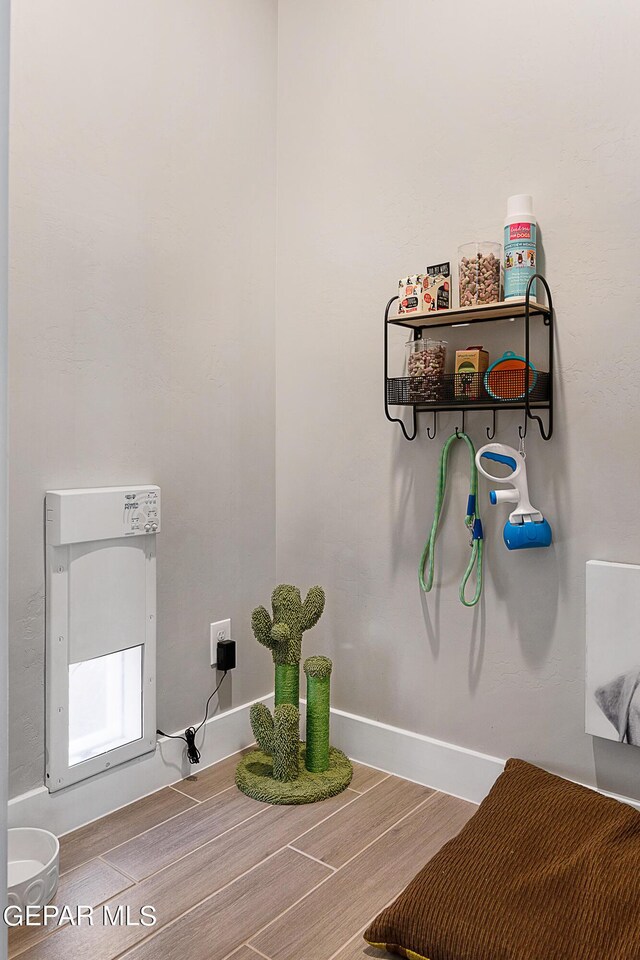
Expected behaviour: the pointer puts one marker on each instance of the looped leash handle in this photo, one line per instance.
(472, 520)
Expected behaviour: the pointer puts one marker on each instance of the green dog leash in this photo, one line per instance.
(472, 520)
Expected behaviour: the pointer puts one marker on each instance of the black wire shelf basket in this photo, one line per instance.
(499, 388)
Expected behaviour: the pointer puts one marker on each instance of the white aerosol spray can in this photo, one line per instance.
(520, 253)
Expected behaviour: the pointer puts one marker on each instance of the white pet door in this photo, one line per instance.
(101, 630)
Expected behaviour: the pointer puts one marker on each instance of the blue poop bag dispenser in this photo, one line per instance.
(526, 527)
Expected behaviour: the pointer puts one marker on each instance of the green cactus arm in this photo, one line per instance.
(262, 626)
(312, 608)
(286, 729)
(262, 726)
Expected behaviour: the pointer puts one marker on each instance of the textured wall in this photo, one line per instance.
(141, 340)
(403, 128)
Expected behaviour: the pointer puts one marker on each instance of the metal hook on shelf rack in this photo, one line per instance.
(491, 431)
(545, 434)
(435, 426)
(458, 432)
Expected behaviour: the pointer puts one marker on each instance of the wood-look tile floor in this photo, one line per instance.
(231, 877)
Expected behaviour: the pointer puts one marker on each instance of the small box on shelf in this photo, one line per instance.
(469, 362)
(425, 293)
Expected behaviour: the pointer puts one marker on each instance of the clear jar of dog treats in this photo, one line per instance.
(426, 362)
(479, 273)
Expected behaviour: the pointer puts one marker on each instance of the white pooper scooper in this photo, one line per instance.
(526, 527)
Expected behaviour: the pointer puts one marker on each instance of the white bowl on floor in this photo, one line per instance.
(34, 859)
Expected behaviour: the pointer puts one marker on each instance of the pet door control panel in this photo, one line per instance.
(79, 516)
(141, 512)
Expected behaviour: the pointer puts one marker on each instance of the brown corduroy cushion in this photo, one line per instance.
(545, 870)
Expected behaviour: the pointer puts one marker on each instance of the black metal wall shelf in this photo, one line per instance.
(422, 394)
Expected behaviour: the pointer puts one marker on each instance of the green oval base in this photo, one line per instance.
(254, 776)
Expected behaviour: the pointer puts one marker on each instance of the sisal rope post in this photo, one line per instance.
(318, 671)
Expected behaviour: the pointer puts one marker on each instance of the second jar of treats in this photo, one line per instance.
(479, 273)
(426, 361)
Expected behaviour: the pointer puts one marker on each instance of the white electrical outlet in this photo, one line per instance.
(220, 630)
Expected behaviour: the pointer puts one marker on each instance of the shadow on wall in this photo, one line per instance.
(617, 766)
(403, 472)
(477, 633)
(529, 589)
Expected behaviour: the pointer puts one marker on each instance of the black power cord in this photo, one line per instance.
(190, 733)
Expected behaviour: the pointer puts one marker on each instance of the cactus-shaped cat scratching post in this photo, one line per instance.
(283, 770)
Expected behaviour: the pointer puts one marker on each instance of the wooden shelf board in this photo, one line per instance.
(505, 310)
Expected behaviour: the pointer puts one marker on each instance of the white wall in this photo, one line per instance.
(142, 315)
(4, 147)
(142, 321)
(404, 125)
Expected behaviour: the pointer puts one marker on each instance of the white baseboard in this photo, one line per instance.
(443, 766)
(456, 770)
(90, 799)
